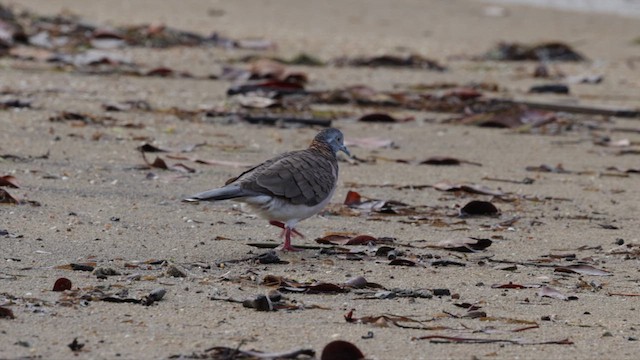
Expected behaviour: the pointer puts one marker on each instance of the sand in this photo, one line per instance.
(97, 206)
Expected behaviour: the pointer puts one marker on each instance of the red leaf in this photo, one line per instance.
(352, 198)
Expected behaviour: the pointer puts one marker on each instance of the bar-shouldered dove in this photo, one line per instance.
(290, 187)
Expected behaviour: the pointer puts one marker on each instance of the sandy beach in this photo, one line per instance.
(559, 279)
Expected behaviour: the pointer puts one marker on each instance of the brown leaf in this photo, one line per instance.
(476, 207)
(341, 350)
(386, 319)
(88, 266)
(440, 160)
(160, 72)
(62, 284)
(378, 118)
(464, 245)
(159, 163)
(558, 169)
(290, 285)
(80, 119)
(146, 147)
(276, 86)
(75, 345)
(440, 339)
(547, 291)
(370, 143)
(254, 101)
(583, 270)
(359, 282)
(324, 288)
(464, 93)
(547, 51)
(340, 239)
(470, 188)
(388, 207)
(402, 262)
(127, 106)
(235, 164)
(182, 168)
(6, 198)
(414, 61)
(9, 181)
(513, 286)
(511, 117)
(6, 313)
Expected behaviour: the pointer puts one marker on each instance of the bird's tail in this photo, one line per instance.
(223, 193)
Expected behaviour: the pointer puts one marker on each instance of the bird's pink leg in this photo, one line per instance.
(283, 227)
(287, 240)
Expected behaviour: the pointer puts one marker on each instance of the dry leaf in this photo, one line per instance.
(476, 207)
(9, 181)
(547, 291)
(583, 270)
(464, 245)
(62, 284)
(341, 350)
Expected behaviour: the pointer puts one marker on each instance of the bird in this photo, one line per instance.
(288, 188)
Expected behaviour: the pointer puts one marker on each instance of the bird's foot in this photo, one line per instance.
(289, 247)
(283, 227)
(286, 246)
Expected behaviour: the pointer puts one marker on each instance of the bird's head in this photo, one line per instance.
(334, 138)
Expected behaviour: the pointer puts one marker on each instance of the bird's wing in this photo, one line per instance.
(301, 177)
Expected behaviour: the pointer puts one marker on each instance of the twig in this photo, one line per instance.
(576, 109)
(440, 339)
(622, 294)
(526, 181)
(273, 246)
(522, 263)
(273, 120)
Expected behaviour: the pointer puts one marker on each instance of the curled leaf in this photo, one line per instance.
(476, 207)
(9, 181)
(341, 350)
(62, 284)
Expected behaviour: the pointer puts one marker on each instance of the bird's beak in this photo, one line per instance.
(345, 150)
